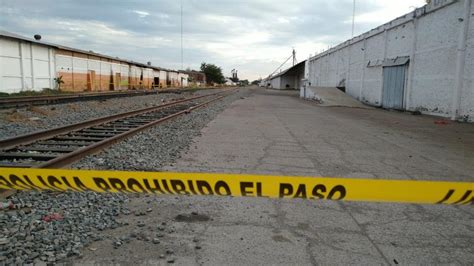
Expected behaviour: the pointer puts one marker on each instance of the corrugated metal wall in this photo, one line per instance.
(25, 66)
(394, 79)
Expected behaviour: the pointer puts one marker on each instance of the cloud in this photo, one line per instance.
(253, 36)
(141, 14)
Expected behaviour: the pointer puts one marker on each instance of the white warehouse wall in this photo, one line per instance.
(429, 36)
(25, 66)
(80, 66)
(275, 83)
(183, 78)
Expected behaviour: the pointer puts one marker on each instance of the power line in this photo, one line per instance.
(281, 65)
(294, 57)
(353, 17)
(291, 56)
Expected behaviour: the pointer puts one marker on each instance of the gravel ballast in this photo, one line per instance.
(51, 226)
(14, 122)
(154, 148)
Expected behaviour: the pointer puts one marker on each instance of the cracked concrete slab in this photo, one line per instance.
(277, 133)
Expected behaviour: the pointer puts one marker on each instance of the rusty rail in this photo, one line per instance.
(26, 101)
(62, 146)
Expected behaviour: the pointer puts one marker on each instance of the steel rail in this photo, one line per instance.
(62, 146)
(26, 101)
(25, 139)
(69, 158)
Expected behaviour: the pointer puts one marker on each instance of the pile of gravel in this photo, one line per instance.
(33, 233)
(51, 226)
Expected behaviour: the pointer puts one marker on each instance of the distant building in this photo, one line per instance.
(196, 78)
(229, 82)
(289, 79)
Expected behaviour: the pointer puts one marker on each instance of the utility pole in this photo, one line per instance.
(182, 61)
(353, 17)
(294, 57)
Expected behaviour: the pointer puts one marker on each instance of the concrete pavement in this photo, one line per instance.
(272, 132)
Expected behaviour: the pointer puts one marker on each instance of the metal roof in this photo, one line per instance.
(398, 61)
(11, 35)
(287, 70)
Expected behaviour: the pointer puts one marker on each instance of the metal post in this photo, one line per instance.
(2, 85)
(411, 66)
(364, 66)
(32, 60)
(52, 72)
(461, 61)
(22, 66)
(294, 57)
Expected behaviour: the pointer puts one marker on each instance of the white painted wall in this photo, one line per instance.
(184, 78)
(430, 37)
(25, 66)
(124, 70)
(275, 83)
(287, 80)
(148, 74)
(66, 63)
(163, 76)
(173, 78)
(69, 64)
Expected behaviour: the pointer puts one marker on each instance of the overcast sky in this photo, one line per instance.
(252, 36)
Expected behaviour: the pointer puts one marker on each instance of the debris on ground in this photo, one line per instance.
(441, 122)
(194, 217)
(6, 205)
(52, 217)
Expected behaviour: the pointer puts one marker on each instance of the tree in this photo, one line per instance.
(59, 80)
(213, 73)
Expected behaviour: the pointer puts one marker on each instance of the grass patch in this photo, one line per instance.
(16, 117)
(73, 107)
(39, 110)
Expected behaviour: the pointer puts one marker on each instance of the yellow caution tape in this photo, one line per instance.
(312, 188)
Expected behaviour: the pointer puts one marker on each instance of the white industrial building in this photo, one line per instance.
(289, 79)
(421, 61)
(29, 64)
(229, 82)
(25, 64)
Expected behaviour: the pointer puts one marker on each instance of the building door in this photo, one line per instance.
(90, 80)
(118, 80)
(394, 79)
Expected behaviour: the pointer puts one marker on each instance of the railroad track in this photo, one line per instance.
(59, 147)
(26, 101)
